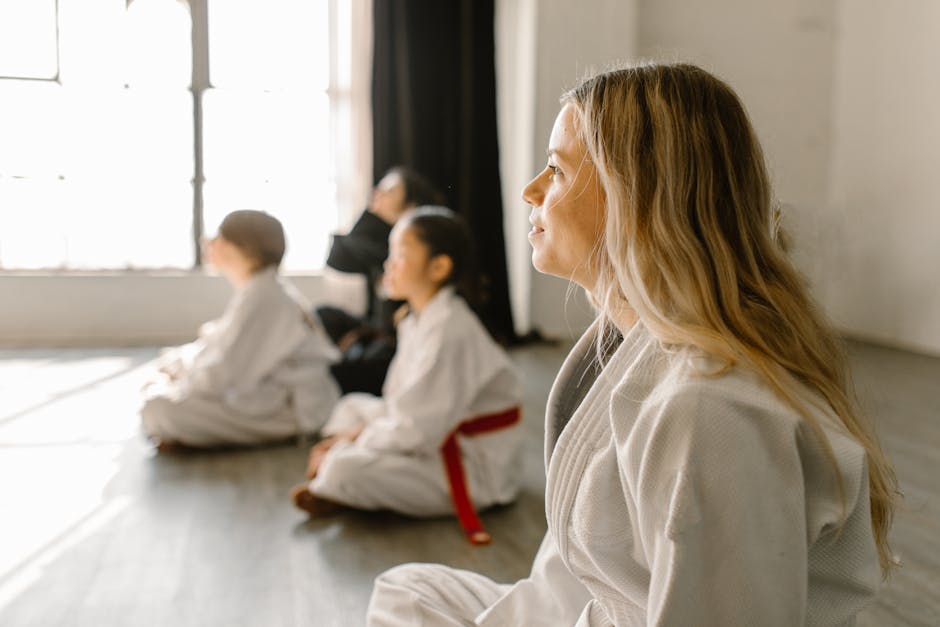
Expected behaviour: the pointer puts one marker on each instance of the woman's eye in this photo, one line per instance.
(554, 169)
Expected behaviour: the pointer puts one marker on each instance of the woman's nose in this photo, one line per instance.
(532, 193)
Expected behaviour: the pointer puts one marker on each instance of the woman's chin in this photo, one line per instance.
(543, 265)
(546, 265)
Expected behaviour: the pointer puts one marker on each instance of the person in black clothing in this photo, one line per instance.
(368, 343)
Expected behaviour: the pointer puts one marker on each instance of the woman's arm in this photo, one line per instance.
(364, 248)
(720, 499)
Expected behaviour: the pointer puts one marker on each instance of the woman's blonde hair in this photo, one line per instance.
(692, 244)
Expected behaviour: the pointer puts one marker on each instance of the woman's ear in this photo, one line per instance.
(440, 268)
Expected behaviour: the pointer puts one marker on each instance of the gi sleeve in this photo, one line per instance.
(720, 496)
(439, 387)
(253, 342)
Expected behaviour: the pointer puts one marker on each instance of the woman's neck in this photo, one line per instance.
(624, 318)
(621, 313)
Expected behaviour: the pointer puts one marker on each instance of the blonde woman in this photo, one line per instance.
(706, 465)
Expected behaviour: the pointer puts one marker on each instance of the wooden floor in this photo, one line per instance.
(96, 530)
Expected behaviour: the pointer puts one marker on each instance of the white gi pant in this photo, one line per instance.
(414, 484)
(431, 594)
(434, 595)
(205, 422)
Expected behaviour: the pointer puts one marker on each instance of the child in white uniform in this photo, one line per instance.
(705, 463)
(259, 373)
(444, 435)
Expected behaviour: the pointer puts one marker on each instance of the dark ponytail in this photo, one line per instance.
(445, 233)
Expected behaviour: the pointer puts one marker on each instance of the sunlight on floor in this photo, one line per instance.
(65, 417)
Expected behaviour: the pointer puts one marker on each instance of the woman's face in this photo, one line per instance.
(567, 206)
(388, 198)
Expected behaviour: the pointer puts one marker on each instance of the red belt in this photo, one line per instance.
(456, 478)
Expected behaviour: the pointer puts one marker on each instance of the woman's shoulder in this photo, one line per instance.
(699, 408)
(701, 396)
(708, 420)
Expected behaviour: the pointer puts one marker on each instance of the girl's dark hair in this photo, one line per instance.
(257, 234)
(445, 233)
(419, 190)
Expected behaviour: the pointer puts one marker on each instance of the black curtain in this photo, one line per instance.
(434, 109)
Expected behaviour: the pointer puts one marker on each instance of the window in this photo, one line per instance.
(97, 160)
(267, 141)
(29, 47)
(95, 167)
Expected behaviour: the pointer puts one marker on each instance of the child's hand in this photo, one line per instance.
(352, 434)
(347, 340)
(171, 373)
(320, 449)
(158, 384)
(318, 453)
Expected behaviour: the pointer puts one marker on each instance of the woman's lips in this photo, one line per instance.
(536, 229)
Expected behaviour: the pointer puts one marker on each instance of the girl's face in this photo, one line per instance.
(567, 206)
(410, 272)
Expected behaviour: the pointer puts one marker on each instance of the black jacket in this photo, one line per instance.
(363, 251)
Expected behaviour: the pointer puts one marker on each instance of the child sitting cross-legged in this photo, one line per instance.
(259, 373)
(444, 435)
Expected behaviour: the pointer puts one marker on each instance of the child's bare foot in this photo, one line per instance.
(312, 504)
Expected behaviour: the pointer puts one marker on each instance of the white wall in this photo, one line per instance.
(570, 41)
(778, 57)
(882, 275)
(102, 309)
(515, 78)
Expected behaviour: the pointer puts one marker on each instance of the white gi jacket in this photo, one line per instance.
(446, 369)
(673, 498)
(264, 357)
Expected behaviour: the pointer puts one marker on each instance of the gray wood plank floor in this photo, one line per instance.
(96, 530)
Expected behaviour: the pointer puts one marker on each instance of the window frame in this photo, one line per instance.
(58, 61)
(353, 175)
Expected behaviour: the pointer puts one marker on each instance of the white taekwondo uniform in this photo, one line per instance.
(446, 371)
(672, 498)
(259, 373)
